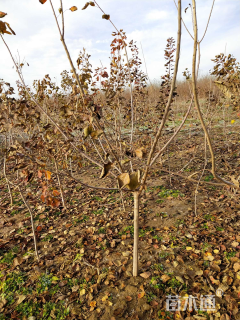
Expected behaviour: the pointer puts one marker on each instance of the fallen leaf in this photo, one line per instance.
(234, 244)
(141, 152)
(128, 298)
(92, 304)
(165, 278)
(180, 279)
(21, 298)
(56, 193)
(82, 292)
(104, 298)
(47, 174)
(145, 275)
(75, 288)
(96, 134)
(141, 295)
(39, 228)
(17, 261)
(236, 266)
(87, 131)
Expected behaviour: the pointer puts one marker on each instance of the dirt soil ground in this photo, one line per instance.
(85, 267)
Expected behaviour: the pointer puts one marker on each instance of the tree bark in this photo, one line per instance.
(136, 229)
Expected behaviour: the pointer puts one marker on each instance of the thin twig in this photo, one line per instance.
(196, 101)
(207, 22)
(169, 98)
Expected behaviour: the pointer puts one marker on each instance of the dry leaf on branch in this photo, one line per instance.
(3, 28)
(106, 169)
(106, 16)
(74, 8)
(123, 179)
(2, 14)
(86, 5)
(134, 180)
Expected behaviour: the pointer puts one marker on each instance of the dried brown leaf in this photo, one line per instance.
(86, 5)
(74, 8)
(145, 275)
(106, 16)
(123, 179)
(106, 169)
(2, 14)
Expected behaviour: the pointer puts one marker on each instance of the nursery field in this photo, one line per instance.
(85, 250)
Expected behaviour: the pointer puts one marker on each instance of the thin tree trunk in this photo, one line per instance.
(32, 223)
(59, 183)
(5, 174)
(136, 230)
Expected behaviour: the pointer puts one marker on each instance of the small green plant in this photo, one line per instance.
(84, 219)
(13, 212)
(204, 313)
(101, 230)
(162, 214)
(205, 246)
(126, 230)
(57, 309)
(209, 217)
(230, 254)
(113, 191)
(78, 257)
(97, 198)
(158, 238)
(163, 254)
(14, 283)
(44, 282)
(165, 315)
(206, 264)
(165, 193)
(150, 296)
(49, 237)
(219, 229)
(174, 283)
(105, 270)
(156, 283)
(97, 212)
(179, 222)
(29, 308)
(209, 177)
(158, 267)
(9, 256)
